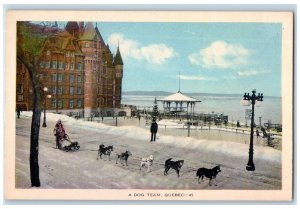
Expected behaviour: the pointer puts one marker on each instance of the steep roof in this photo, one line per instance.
(179, 97)
(72, 27)
(118, 59)
(63, 41)
(89, 33)
(100, 37)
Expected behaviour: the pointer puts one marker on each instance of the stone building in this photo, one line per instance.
(80, 72)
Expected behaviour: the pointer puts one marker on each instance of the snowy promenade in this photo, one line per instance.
(81, 169)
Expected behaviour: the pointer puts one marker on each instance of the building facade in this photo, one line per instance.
(80, 72)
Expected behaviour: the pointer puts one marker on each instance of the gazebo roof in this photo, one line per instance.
(179, 97)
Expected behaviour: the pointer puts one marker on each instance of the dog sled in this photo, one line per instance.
(67, 145)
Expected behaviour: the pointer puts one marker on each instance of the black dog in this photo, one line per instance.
(176, 165)
(209, 173)
(105, 151)
(123, 157)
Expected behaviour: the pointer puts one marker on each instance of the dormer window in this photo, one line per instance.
(48, 52)
(42, 64)
(86, 44)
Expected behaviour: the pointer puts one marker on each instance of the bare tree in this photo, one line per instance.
(30, 41)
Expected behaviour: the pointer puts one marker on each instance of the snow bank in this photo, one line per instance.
(136, 133)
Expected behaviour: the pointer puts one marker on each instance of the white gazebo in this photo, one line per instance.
(179, 102)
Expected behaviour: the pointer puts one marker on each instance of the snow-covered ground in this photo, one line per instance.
(81, 169)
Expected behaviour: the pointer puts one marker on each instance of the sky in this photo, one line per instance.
(229, 58)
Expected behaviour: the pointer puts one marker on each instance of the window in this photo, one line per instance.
(86, 44)
(67, 65)
(19, 88)
(53, 77)
(42, 64)
(79, 103)
(60, 77)
(79, 78)
(78, 90)
(60, 65)
(94, 65)
(79, 66)
(20, 97)
(60, 90)
(67, 54)
(53, 89)
(48, 52)
(72, 66)
(95, 44)
(60, 103)
(71, 103)
(118, 75)
(47, 64)
(53, 103)
(54, 64)
(72, 78)
(72, 54)
(71, 90)
(99, 90)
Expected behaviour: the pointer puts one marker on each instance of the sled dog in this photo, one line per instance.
(105, 151)
(208, 173)
(123, 157)
(147, 162)
(176, 165)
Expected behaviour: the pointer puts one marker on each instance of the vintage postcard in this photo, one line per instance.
(117, 105)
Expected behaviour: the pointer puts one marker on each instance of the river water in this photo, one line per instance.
(270, 110)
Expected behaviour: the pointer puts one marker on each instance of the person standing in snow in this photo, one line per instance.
(153, 130)
(257, 133)
(59, 132)
(18, 112)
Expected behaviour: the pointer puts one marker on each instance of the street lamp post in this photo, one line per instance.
(116, 120)
(45, 89)
(246, 102)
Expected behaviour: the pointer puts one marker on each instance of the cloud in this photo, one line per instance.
(157, 53)
(196, 78)
(220, 54)
(247, 73)
(128, 48)
(252, 72)
(153, 53)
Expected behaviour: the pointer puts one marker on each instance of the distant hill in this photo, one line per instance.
(165, 93)
(147, 93)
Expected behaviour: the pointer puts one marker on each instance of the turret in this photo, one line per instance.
(73, 28)
(118, 65)
(118, 58)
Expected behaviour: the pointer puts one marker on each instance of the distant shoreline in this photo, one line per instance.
(165, 93)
